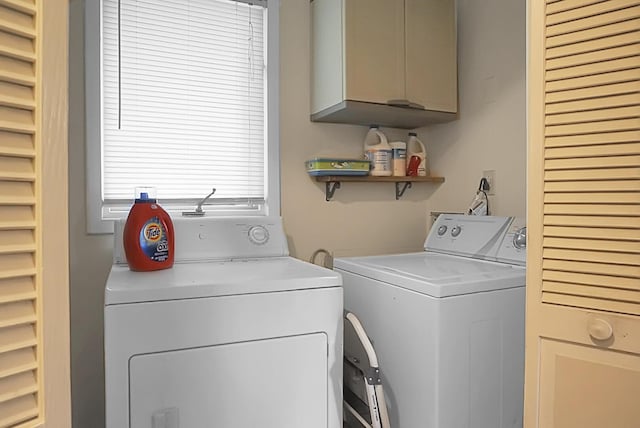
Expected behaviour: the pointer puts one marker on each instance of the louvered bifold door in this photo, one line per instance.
(591, 244)
(19, 338)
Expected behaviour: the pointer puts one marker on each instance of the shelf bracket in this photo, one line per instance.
(330, 188)
(400, 191)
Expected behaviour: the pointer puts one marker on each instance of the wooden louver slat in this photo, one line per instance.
(27, 7)
(630, 136)
(595, 256)
(13, 46)
(612, 65)
(575, 95)
(591, 209)
(588, 221)
(592, 174)
(621, 295)
(15, 362)
(18, 385)
(594, 33)
(12, 339)
(583, 106)
(20, 340)
(13, 77)
(594, 233)
(600, 304)
(18, 410)
(593, 150)
(565, 5)
(603, 245)
(585, 11)
(591, 116)
(592, 268)
(594, 45)
(591, 280)
(589, 186)
(592, 81)
(615, 125)
(559, 26)
(597, 56)
(592, 198)
(593, 162)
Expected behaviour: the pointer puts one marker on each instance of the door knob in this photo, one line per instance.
(599, 329)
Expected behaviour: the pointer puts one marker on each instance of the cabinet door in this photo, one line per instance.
(584, 382)
(431, 63)
(374, 50)
(583, 264)
(34, 283)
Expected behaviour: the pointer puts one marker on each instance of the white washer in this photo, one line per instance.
(447, 323)
(237, 334)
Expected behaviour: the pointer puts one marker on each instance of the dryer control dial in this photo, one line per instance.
(442, 230)
(520, 238)
(456, 231)
(258, 235)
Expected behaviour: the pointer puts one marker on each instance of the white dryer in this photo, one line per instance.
(236, 335)
(447, 324)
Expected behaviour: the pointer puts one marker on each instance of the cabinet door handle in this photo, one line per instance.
(599, 329)
(405, 103)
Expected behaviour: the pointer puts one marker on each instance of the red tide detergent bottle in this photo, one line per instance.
(148, 234)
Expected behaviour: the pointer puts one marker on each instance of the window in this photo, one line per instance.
(182, 96)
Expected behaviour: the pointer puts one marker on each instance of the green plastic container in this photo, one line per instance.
(329, 166)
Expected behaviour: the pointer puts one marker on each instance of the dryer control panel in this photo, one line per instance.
(220, 238)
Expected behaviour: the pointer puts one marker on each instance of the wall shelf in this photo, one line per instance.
(332, 182)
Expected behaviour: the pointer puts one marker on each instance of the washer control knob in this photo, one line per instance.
(258, 235)
(520, 238)
(442, 230)
(456, 231)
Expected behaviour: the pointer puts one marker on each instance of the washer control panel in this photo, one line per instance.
(472, 236)
(514, 246)
(520, 238)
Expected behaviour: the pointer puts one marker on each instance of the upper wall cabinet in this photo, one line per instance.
(385, 62)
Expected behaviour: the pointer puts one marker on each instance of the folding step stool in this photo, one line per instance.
(364, 403)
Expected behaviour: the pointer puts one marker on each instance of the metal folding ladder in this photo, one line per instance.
(364, 402)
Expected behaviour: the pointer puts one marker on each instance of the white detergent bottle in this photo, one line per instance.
(378, 152)
(417, 162)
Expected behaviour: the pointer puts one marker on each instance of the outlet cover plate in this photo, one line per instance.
(490, 176)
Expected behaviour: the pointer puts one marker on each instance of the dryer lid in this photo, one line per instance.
(213, 279)
(434, 274)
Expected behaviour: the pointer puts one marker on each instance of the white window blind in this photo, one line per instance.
(183, 101)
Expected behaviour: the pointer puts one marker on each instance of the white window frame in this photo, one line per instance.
(96, 224)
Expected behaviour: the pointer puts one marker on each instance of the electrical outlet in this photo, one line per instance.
(490, 176)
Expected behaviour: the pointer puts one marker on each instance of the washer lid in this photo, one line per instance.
(212, 279)
(437, 275)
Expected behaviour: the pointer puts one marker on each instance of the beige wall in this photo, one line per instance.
(363, 218)
(491, 132)
(90, 255)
